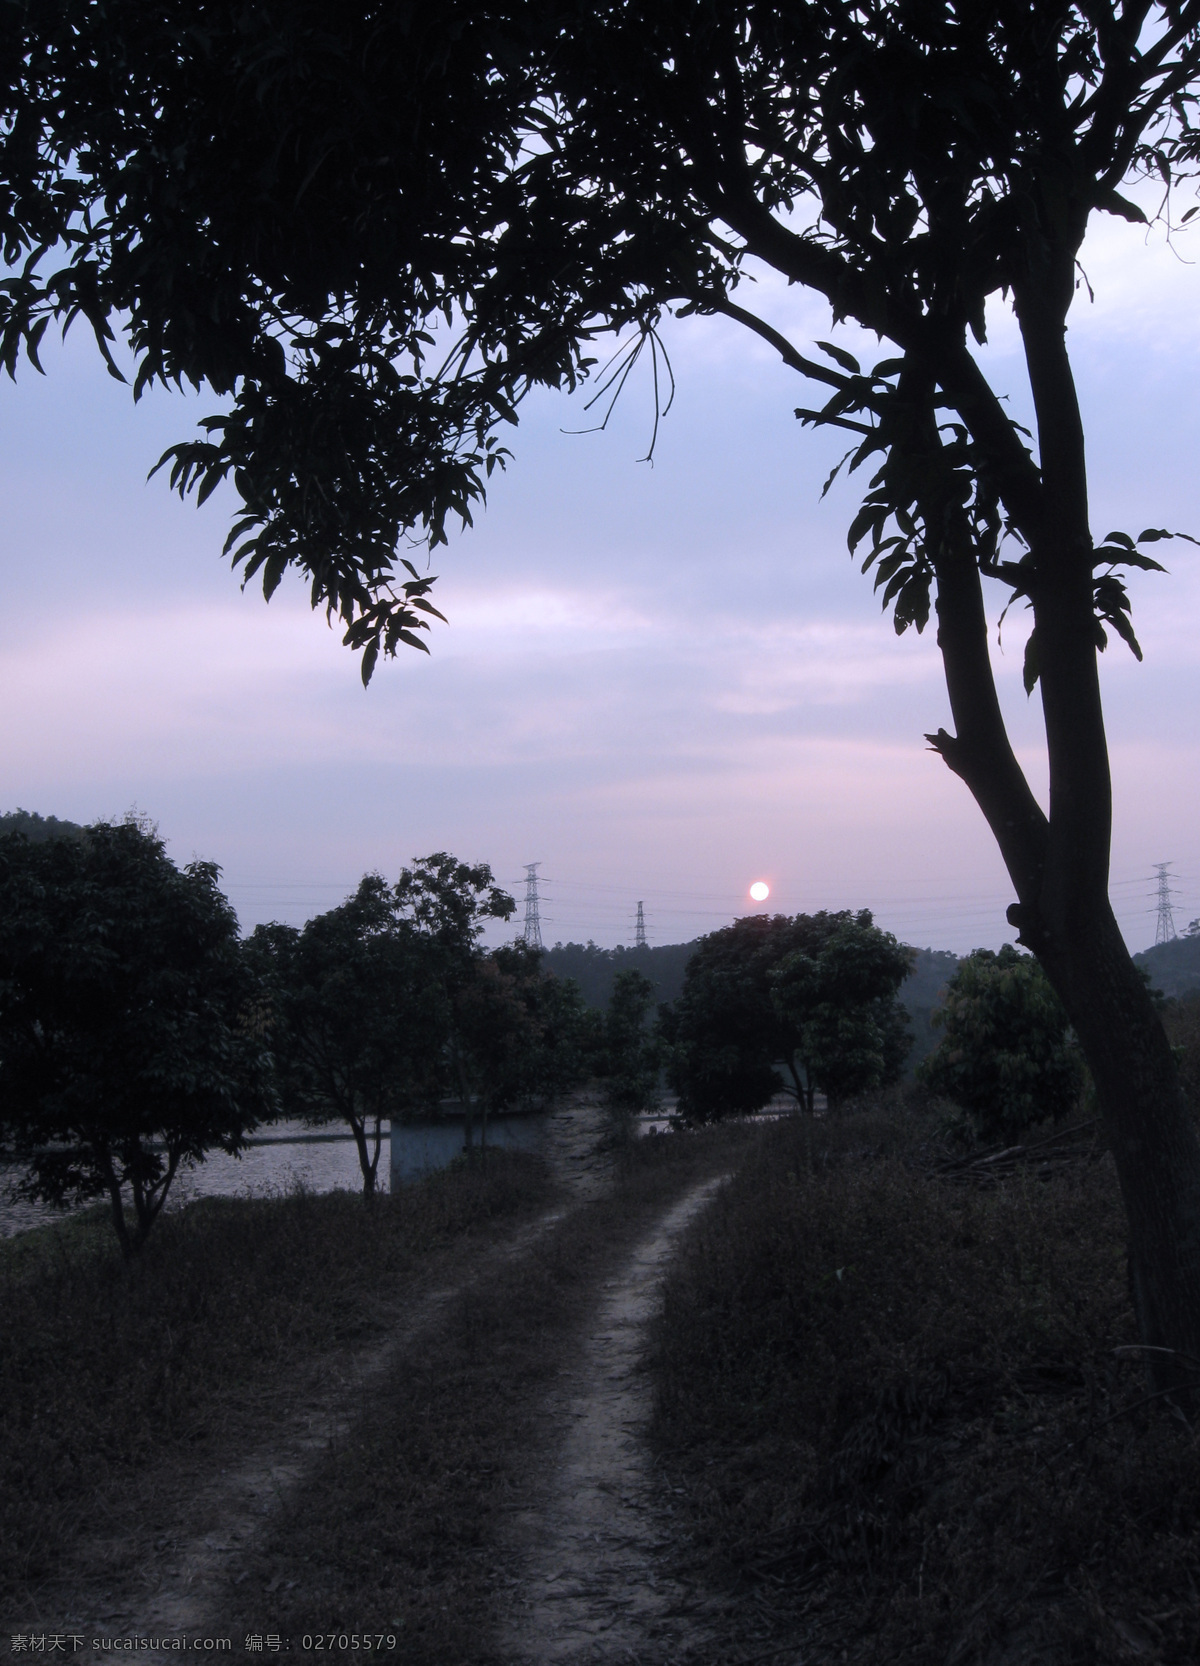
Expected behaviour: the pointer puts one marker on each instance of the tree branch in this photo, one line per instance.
(817, 267)
(781, 344)
(1016, 476)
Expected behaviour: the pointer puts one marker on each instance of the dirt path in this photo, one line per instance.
(579, 1561)
(588, 1569)
(192, 1577)
(172, 1582)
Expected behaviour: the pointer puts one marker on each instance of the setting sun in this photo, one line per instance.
(760, 890)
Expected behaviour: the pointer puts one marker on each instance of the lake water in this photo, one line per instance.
(285, 1157)
(288, 1155)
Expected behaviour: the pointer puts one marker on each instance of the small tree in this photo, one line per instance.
(569, 1033)
(775, 1002)
(1007, 1054)
(447, 902)
(128, 1041)
(631, 1051)
(839, 997)
(518, 1033)
(723, 1035)
(359, 1016)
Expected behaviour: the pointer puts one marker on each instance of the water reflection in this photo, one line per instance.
(286, 1156)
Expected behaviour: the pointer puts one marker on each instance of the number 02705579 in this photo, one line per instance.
(349, 1642)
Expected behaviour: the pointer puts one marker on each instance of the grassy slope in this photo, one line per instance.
(903, 1434)
(108, 1372)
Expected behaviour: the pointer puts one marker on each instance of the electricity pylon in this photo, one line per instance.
(639, 940)
(533, 921)
(1166, 919)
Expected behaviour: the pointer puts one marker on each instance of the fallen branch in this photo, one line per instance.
(986, 1165)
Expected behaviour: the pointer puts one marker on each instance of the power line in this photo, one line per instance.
(587, 906)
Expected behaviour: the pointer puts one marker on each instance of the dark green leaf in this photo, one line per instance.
(1114, 203)
(1120, 622)
(1032, 668)
(840, 356)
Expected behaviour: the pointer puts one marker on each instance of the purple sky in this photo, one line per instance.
(661, 682)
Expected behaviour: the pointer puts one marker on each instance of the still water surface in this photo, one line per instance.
(288, 1156)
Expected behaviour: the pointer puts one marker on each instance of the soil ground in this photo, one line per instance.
(591, 1585)
(474, 1486)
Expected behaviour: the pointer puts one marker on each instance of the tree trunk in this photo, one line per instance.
(800, 1084)
(1058, 862)
(1150, 1130)
(358, 1128)
(117, 1206)
(1069, 922)
(464, 1094)
(376, 1147)
(1058, 866)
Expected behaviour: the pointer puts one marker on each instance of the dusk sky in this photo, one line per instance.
(662, 682)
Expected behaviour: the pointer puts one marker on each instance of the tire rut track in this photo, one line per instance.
(181, 1583)
(588, 1547)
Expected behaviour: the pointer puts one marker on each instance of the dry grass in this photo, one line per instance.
(899, 1422)
(108, 1370)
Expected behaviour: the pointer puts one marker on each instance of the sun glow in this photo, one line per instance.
(760, 890)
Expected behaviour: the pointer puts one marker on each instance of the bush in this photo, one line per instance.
(1007, 1054)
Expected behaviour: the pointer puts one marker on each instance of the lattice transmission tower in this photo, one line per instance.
(639, 939)
(1166, 919)
(533, 920)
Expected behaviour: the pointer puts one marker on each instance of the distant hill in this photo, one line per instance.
(1174, 967)
(594, 970)
(38, 829)
(921, 992)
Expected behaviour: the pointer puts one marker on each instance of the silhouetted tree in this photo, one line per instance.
(359, 1020)
(37, 828)
(779, 1003)
(518, 1033)
(839, 995)
(130, 1041)
(631, 1048)
(282, 204)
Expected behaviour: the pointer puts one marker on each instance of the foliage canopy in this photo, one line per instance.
(811, 996)
(370, 230)
(388, 1005)
(1007, 1054)
(373, 282)
(131, 1041)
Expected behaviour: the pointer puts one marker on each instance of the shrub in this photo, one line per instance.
(1007, 1054)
